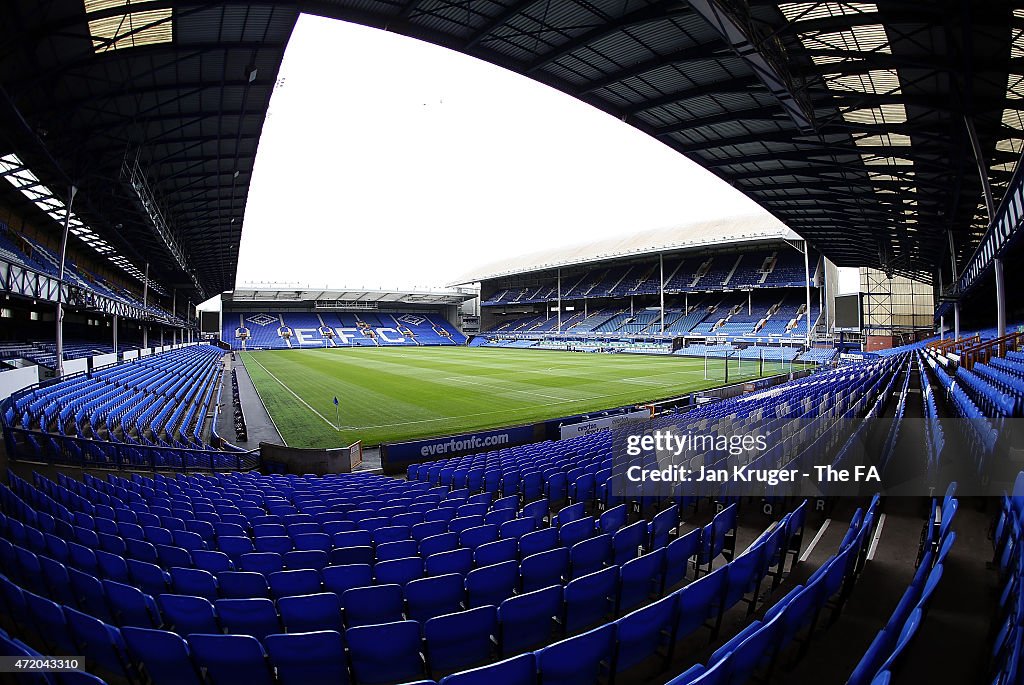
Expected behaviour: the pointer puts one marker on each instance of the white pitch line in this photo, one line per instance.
(814, 540)
(874, 540)
(329, 423)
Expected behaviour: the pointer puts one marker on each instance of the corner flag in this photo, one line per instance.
(335, 400)
(337, 412)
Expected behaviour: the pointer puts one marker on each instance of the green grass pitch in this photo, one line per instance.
(404, 393)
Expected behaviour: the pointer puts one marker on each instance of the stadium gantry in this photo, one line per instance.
(887, 135)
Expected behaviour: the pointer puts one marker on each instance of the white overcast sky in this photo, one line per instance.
(386, 161)
(389, 162)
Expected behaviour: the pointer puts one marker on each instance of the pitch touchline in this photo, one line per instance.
(329, 423)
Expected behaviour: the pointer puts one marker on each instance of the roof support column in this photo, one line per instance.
(145, 303)
(807, 275)
(114, 326)
(661, 288)
(997, 269)
(60, 285)
(559, 329)
(990, 205)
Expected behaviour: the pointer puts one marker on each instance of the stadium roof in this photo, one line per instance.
(351, 296)
(853, 122)
(871, 128)
(153, 109)
(732, 231)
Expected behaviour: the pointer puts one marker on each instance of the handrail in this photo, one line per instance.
(997, 347)
(953, 344)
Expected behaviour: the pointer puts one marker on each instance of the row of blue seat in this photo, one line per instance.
(888, 649)
(755, 649)
(1007, 654)
(452, 641)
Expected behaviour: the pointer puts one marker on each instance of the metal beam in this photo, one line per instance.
(764, 57)
(702, 53)
(731, 87)
(496, 22)
(661, 10)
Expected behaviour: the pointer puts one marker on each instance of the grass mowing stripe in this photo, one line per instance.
(390, 394)
(329, 423)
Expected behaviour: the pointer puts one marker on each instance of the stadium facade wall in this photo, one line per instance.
(18, 379)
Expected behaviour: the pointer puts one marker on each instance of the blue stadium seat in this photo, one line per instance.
(519, 670)
(544, 569)
(644, 632)
(538, 541)
(495, 552)
(187, 614)
(492, 584)
(308, 658)
(590, 599)
(263, 563)
(576, 531)
(628, 541)
(400, 549)
(460, 640)
(590, 555)
(47, 619)
(527, 620)
(455, 561)
(640, 580)
(313, 559)
(345, 556)
(148, 577)
(399, 571)
(700, 601)
(613, 519)
(580, 660)
(312, 612)
(678, 556)
(89, 594)
(130, 606)
(231, 659)
(289, 583)
(277, 544)
(434, 596)
(192, 581)
(256, 616)
(164, 656)
(242, 584)
(385, 653)
(478, 535)
(101, 644)
(338, 579)
(437, 544)
(374, 604)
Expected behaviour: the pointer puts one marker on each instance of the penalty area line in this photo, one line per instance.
(281, 383)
